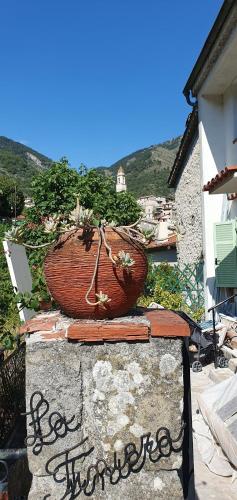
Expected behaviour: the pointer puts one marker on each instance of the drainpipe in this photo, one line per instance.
(188, 97)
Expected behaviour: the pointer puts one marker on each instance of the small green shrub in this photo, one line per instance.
(9, 316)
(163, 274)
(169, 300)
(54, 192)
(164, 286)
(196, 314)
(144, 301)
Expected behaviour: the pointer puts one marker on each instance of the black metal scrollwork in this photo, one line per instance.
(64, 466)
(58, 425)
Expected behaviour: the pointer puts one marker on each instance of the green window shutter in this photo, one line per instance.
(226, 254)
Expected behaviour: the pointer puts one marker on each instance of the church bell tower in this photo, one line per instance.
(121, 181)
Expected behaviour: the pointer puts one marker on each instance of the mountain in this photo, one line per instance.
(20, 162)
(147, 170)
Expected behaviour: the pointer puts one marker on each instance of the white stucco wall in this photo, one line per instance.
(217, 132)
(212, 144)
(188, 208)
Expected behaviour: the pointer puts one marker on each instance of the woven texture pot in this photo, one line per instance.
(69, 267)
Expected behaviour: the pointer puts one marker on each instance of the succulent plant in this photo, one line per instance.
(80, 215)
(102, 298)
(124, 260)
(148, 234)
(14, 234)
(50, 224)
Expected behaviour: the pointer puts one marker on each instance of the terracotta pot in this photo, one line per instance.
(45, 305)
(69, 267)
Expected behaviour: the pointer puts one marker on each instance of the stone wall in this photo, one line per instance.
(95, 410)
(188, 208)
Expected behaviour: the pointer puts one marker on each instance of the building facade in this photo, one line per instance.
(212, 90)
(157, 216)
(151, 206)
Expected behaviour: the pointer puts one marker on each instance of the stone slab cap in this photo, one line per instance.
(144, 324)
(164, 323)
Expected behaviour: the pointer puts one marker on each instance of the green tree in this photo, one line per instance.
(11, 198)
(54, 192)
(127, 209)
(9, 317)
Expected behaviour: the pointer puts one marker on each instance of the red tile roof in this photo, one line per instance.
(170, 242)
(219, 178)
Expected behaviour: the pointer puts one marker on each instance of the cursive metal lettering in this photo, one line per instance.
(65, 467)
(58, 425)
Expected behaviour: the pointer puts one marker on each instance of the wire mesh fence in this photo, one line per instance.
(191, 283)
(183, 281)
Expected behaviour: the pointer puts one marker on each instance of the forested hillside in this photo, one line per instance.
(21, 162)
(147, 170)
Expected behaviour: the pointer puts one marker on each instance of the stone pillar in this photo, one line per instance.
(105, 416)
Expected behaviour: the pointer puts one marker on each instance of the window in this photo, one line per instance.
(226, 254)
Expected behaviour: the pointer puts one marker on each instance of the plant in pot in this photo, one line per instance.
(93, 269)
(89, 258)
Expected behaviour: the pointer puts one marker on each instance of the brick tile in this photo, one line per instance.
(37, 324)
(109, 331)
(53, 335)
(166, 323)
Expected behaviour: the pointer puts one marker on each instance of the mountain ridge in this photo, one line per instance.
(147, 169)
(21, 162)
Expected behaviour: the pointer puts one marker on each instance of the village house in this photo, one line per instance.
(158, 217)
(163, 251)
(204, 173)
(152, 206)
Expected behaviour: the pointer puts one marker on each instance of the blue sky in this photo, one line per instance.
(95, 80)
